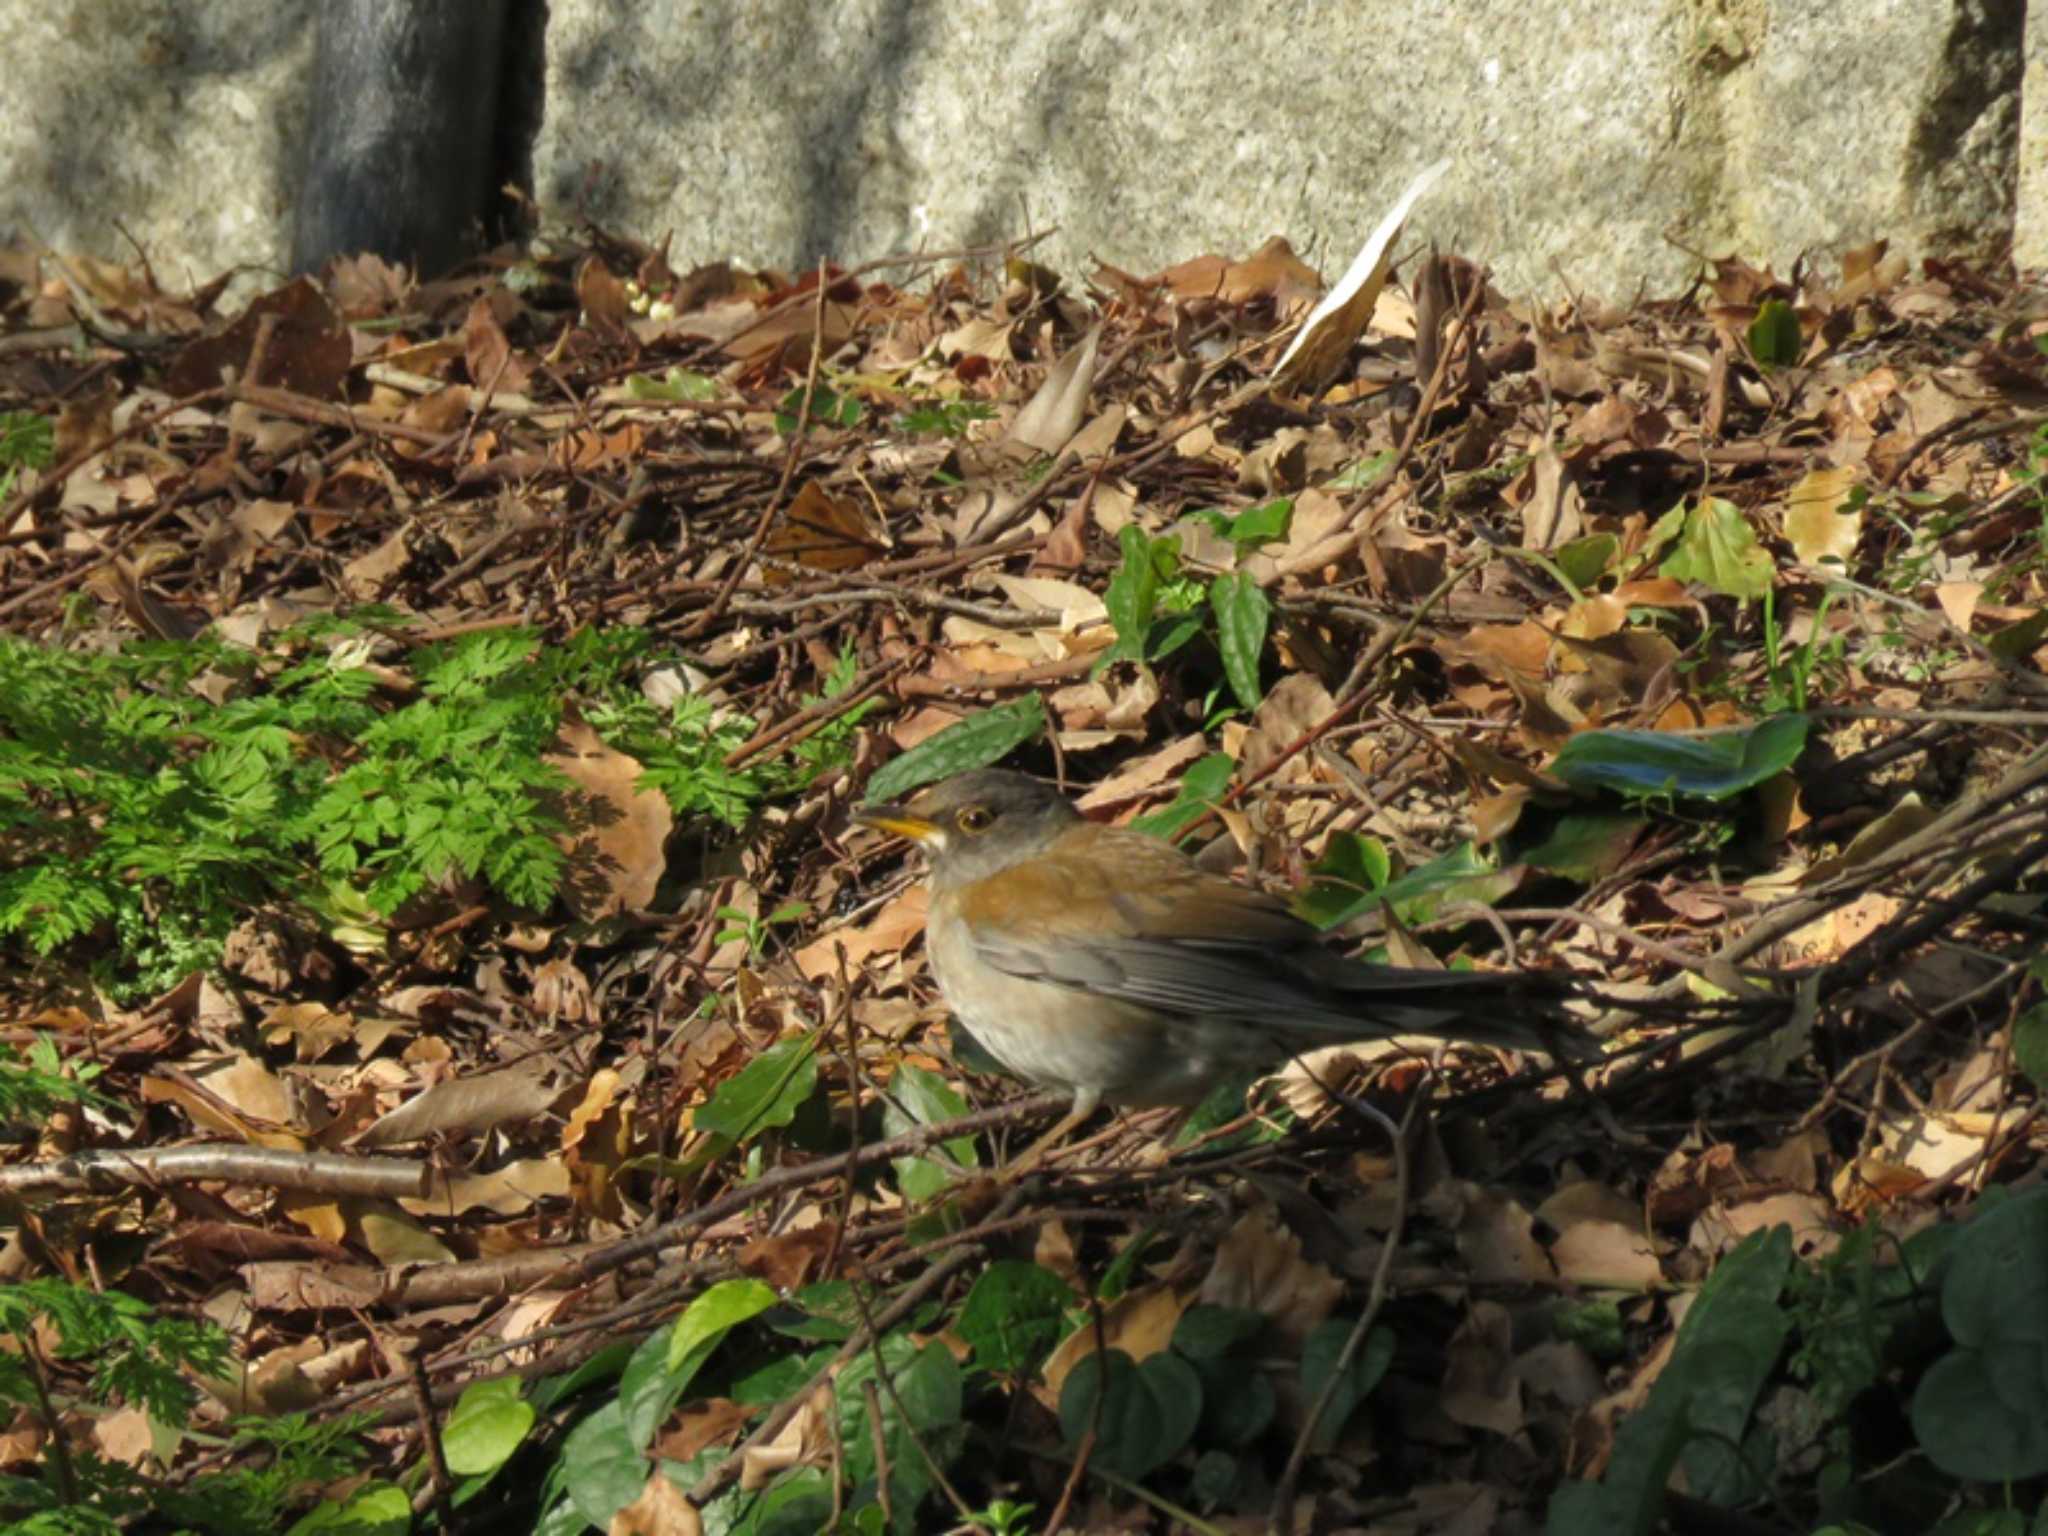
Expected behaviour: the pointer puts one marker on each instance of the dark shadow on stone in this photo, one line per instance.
(404, 144)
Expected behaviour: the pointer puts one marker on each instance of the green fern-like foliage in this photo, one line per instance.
(150, 798)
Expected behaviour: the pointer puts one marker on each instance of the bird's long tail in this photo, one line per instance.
(1513, 1010)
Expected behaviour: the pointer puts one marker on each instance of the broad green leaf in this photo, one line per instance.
(1584, 560)
(1718, 549)
(766, 1092)
(490, 1422)
(1210, 1332)
(1462, 874)
(676, 384)
(917, 1097)
(1362, 475)
(1344, 885)
(1169, 634)
(1143, 1412)
(709, 1318)
(2017, 641)
(1011, 1318)
(1659, 763)
(1701, 1404)
(1981, 1411)
(828, 408)
(1345, 880)
(975, 742)
(1242, 611)
(926, 1403)
(1319, 1356)
(828, 1311)
(381, 1509)
(1133, 591)
(1774, 335)
(1266, 523)
(1200, 788)
(1585, 845)
(603, 1469)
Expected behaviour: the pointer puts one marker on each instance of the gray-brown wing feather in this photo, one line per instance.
(1175, 939)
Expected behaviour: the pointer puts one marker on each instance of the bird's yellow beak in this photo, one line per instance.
(894, 818)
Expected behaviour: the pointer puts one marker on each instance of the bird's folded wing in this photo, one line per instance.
(1128, 917)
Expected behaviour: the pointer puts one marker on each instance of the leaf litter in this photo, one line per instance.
(1694, 647)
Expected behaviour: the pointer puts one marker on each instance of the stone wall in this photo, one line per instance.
(1593, 142)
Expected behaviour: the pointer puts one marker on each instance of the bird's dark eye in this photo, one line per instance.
(976, 818)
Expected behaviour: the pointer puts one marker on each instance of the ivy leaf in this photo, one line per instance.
(968, 744)
(1242, 611)
(1143, 1412)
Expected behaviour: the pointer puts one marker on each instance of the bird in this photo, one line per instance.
(1105, 963)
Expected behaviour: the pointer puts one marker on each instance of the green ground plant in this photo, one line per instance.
(152, 796)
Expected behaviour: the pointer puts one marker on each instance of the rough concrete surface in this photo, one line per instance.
(1591, 140)
(174, 120)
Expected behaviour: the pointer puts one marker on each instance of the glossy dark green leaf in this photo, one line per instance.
(1200, 788)
(1585, 845)
(766, 1092)
(1210, 1332)
(1242, 612)
(1133, 591)
(603, 1469)
(1142, 1412)
(976, 742)
(2030, 1044)
(1774, 335)
(2018, 641)
(917, 1098)
(1169, 634)
(1659, 763)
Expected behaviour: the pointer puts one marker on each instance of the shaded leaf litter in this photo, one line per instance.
(1695, 648)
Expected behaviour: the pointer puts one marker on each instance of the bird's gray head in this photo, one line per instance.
(977, 824)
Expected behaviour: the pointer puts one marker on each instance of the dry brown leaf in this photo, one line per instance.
(1497, 1240)
(1259, 1266)
(1325, 337)
(1819, 523)
(888, 932)
(1139, 1322)
(662, 1509)
(465, 1106)
(822, 532)
(1055, 413)
(1480, 1388)
(618, 856)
